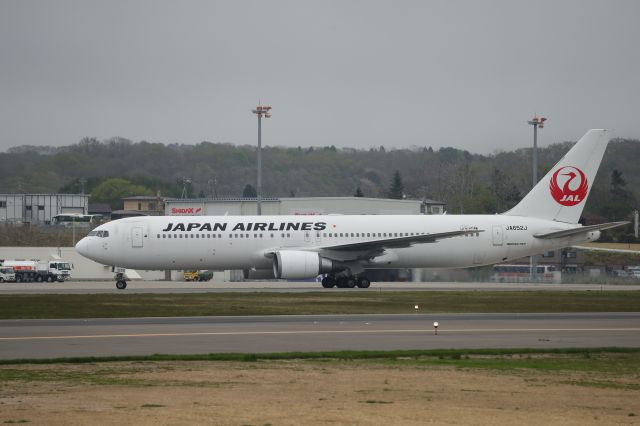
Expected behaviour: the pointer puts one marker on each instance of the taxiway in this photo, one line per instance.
(255, 334)
(86, 287)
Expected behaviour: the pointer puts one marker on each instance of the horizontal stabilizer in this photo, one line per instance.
(580, 230)
(608, 250)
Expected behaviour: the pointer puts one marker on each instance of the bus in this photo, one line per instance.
(77, 219)
(522, 274)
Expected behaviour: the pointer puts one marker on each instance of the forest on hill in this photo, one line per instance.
(467, 182)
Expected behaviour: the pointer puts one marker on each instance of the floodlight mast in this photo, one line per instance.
(535, 122)
(260, 111)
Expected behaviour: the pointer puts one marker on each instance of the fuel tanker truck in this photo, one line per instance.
(38, 270)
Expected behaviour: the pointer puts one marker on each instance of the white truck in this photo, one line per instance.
(7, 274)
(38, 270)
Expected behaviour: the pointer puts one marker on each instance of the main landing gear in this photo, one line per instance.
(121, 284)
(345, 281)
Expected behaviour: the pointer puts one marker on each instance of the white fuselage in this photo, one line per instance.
(233, 242)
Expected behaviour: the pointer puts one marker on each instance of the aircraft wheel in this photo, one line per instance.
(121, 284)
(363, 283)
(350, 282)
(341, 282)
(328, 282)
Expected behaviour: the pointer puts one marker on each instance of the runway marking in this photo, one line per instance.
(254, 333)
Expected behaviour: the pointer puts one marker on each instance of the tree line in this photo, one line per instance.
(466, 182)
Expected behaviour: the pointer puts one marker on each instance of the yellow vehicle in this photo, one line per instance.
(198, 275)
(191, 275)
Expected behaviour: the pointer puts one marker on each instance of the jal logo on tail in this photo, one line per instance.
(569, 186)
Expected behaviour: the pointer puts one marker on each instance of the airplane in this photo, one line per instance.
(343, 247)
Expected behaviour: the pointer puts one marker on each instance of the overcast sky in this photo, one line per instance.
(467, 74)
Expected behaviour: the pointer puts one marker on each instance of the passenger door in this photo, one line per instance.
(136, 237)
(497, 235)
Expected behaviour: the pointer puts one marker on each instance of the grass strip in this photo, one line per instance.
(119, 305)
(443, 354)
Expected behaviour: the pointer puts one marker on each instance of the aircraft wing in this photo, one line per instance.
(579, 230)
(369, 249)
(397, 242)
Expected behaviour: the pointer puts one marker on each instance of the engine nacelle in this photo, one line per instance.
(301, 264)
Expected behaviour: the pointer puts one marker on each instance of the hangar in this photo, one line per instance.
(40, 208)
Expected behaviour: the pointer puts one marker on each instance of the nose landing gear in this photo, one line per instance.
(121, 284)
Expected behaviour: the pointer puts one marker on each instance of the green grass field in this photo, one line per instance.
(602, 360)
(369, 302)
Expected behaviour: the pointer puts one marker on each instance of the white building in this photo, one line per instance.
(40, 208)
(300, 206)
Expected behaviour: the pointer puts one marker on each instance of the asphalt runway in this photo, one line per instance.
(85, 287)
(255, 334)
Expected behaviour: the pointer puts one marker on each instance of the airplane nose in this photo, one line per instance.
(83, 247)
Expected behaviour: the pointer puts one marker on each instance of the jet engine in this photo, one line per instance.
(302, 264)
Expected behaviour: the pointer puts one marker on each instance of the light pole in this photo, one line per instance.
(260, 111)
(535, 122)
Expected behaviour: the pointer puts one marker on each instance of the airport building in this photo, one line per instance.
(300, 206)
(40, 208)
(140, 205)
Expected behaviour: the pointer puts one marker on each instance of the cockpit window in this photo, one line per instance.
(92, 233)
(100, 234)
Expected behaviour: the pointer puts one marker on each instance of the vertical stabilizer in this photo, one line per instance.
(562, 194)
